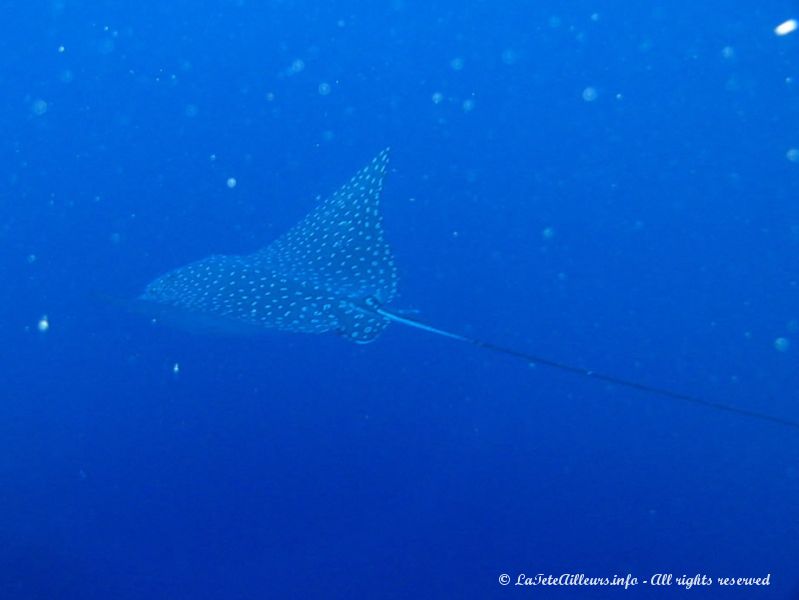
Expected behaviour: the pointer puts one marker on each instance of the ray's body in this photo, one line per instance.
(331, 272)
(315, 278)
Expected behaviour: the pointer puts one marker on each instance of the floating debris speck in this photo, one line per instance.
(786, 27)
(297, 66)
(509, 56)
(39, 107)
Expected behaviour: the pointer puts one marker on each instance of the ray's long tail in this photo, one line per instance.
(539, 360)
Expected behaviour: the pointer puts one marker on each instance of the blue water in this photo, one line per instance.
(607, 184)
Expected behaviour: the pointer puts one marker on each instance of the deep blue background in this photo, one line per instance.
(414, 467)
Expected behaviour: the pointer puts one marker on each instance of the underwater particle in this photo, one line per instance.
(595, 17)
(547, 233)
(792, 155)
(44, 324)
(66, 76)
(38, 107)
(437, 98)
(61, 49)
(297, 66)
(106, 46)
(793, 325)
(116, 238)
(509, 56)
(328, 135)
(554, 21)
(270, 97)
(733, 84)
(456, 64)
(191, 110)
(468, 105)
(782, 344)
(176, 368)
(31, 258)
(786, 27)
(728, 52)
(590, 94)
(231, 182)
(324, 89)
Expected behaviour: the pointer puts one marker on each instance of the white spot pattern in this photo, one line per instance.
(316, 277)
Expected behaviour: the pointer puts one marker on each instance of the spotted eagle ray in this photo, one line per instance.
(332, 272)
